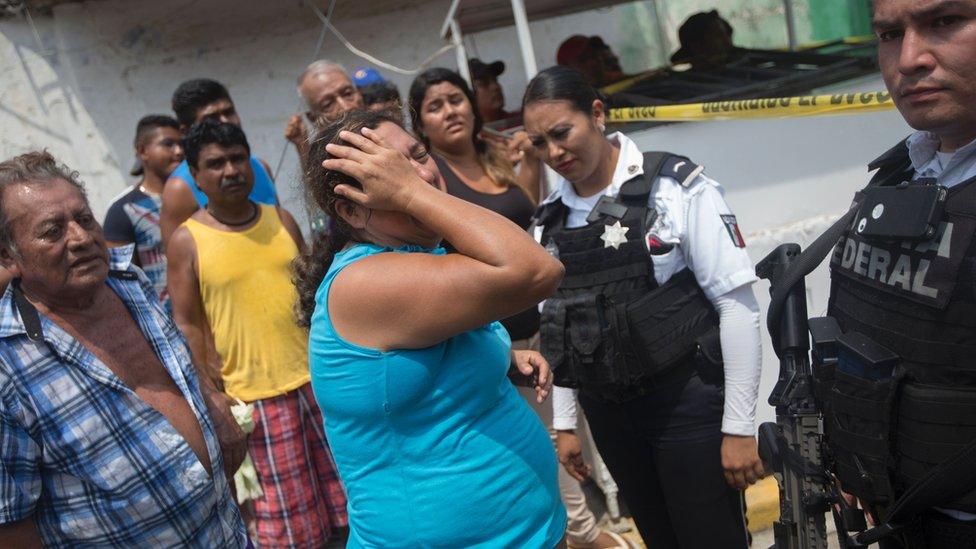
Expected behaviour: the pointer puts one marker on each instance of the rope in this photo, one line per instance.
(327, 25)
(360, 53)
(315, 55)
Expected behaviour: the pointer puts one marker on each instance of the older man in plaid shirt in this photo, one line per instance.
(105, 436)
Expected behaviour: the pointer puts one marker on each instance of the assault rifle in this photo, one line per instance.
(794, 446)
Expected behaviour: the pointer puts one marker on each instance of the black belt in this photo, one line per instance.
(681, 372)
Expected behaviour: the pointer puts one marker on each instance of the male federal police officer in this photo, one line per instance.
(903, 285)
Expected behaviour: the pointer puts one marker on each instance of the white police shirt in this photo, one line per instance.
(694, 229)
(693, 220)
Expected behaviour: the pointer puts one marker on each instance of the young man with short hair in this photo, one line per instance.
(133, 217)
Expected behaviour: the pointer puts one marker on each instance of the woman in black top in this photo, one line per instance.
(441, 106)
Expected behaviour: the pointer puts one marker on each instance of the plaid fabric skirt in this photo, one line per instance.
(304, 503)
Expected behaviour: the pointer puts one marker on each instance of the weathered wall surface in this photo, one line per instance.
(40, 107)
(109, 62)
(104, 63)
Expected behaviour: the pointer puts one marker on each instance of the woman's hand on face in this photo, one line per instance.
(388, 178)
(531, 363)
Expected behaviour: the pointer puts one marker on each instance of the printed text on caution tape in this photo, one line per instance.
(808, 105)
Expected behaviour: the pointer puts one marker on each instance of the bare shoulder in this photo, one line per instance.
(176, 186)
(374, 279)
(288, 221)
(177, 193)
(180, 244)
(376, 284)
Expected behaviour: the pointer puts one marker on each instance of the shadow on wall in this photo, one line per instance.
(40, 109)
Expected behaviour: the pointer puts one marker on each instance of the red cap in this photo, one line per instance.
(571, 48)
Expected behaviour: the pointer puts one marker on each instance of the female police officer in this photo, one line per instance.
(656, 276)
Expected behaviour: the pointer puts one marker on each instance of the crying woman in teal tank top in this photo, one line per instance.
(408, 362)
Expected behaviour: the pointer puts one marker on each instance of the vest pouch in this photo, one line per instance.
(552, 341)
(823, 383)
(665, 324)
(824, 333)
(591, 350)
(934, 422)
(859, 417)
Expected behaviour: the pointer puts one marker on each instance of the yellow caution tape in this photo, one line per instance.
(773, 107)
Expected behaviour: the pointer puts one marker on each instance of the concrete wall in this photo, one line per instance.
(102, 64)
(40, 107)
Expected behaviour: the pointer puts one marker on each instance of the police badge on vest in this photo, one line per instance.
(610, 330)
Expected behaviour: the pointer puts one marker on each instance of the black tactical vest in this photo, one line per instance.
(610, 330)
(916, 300)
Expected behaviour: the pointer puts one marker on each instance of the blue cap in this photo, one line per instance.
(365, 76)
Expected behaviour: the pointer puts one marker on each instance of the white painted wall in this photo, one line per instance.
(40, 108)
(112, 61)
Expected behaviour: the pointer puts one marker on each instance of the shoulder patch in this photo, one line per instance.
(732, 227)
(681, 169)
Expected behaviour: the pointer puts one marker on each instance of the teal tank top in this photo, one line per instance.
(434, 446)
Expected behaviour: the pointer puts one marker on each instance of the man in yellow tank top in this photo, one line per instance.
(229, 277)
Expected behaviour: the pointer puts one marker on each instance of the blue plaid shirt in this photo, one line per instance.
(88, 459)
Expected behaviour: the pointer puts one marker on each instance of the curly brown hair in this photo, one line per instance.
(320, 183)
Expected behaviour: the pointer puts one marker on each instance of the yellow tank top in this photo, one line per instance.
(249, 298)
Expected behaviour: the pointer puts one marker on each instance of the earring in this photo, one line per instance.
(603, 127)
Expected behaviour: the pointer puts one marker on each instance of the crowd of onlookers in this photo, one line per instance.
(216, 248)
(216, 251)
